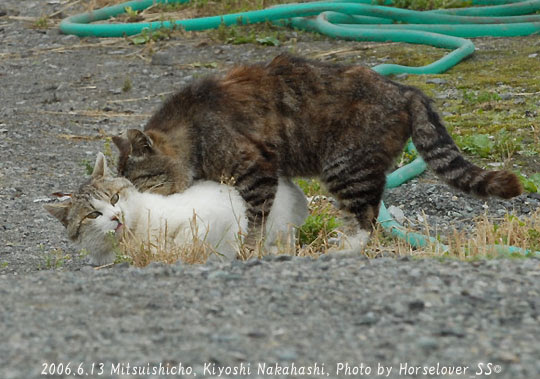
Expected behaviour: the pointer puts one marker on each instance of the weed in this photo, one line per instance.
(310, 187)
(407, 157)
(321, 224)
(532, 183)
(83, 253)
(127, 86)
(147, 36)
(4, 265)
(88, 166)
(55, 259)
(42, 22)
(502, 145)
(107, 149)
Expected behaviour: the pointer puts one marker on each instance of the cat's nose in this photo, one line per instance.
(115, 218)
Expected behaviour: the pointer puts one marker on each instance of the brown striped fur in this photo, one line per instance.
(294, 117)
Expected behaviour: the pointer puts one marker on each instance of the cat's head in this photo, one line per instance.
(93, 216)
(149, 162)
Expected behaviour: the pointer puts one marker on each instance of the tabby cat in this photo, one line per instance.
(107, 206)
(296, 117)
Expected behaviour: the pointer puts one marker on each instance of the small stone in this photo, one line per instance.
(256, 334)
(224, 275)
(334, 240)
(88, 269)
(534, 55)
(283, 258)
(326, 257)
(367, 319)
(436, 81)
(70, 38)
(427, 343)
(451, 332)
(253, 262)
(396, 213)
(416, 305)
(286, 354)
(508, 357)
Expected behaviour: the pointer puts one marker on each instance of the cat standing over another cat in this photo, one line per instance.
(106, 209)
(296, 117)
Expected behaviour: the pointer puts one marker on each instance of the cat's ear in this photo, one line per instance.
(100, 168)
(60, 211)
(141, 144)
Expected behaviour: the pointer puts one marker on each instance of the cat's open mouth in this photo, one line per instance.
(119, 229)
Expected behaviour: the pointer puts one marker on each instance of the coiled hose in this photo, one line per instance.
(360, 21)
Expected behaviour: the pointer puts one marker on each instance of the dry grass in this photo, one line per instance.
(485, 240)
(523, 233)
(478, 243)
(142, 250)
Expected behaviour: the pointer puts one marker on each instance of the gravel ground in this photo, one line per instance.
(61, 94)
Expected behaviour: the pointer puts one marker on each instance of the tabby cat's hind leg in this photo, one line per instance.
(358, 184)
(258, 188)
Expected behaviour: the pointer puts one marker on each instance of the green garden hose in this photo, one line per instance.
(361, 21)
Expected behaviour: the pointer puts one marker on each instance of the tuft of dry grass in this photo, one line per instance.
(488, 236)
(140, 251)
(487, 239)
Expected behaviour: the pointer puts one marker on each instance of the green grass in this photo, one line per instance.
(492, 107)
(127, 86)
(319, 225)
(54, 260)
(42, 22)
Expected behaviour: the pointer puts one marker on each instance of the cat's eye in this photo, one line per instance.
(94, 215)
(114, 199)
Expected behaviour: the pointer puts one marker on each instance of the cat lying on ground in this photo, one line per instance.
(296, 117)
(107, 205)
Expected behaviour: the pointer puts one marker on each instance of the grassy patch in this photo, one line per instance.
(489, 102)
(320, 225)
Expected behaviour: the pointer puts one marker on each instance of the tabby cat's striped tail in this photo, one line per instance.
(441, 153)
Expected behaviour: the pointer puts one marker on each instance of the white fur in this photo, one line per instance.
(358, 241)
(220, 218)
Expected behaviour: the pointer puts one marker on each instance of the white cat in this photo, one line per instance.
(107, 205)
